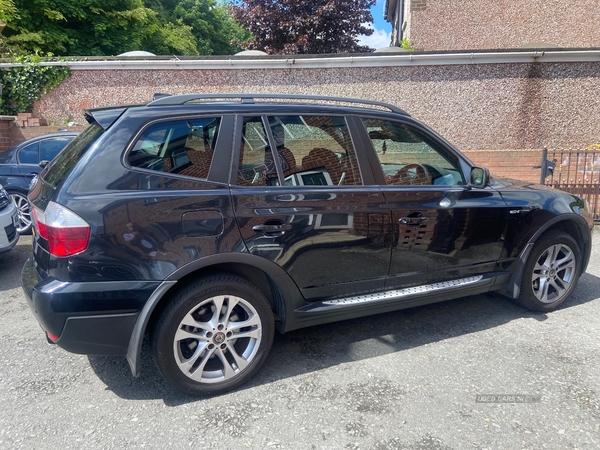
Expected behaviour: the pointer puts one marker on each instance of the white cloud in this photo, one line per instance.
(379, 39)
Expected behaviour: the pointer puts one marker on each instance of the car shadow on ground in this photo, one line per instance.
(316, 348)
(12, 262)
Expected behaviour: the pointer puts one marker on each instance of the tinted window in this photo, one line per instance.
(49, 148)
(311, 151)
(183, 147)
(29, 154)
(409, 157)
(64, 161)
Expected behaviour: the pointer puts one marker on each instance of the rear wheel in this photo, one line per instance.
(213, 336)
(551, 272)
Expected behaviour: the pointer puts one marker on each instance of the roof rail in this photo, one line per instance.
(170, 100)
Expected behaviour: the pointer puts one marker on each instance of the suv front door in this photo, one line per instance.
(443, 229)
(310, 209)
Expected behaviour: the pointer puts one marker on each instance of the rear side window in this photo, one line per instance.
(64, 161)
(29, 154)
(182, 147)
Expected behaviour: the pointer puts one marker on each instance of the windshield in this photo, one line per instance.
(69, 156)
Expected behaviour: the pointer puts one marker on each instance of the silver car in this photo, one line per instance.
(9, 222)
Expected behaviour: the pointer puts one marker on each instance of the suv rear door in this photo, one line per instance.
(314, 209)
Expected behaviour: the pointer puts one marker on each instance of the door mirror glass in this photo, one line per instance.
(480, 177)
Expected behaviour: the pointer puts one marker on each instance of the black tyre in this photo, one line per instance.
(213, 336)
(22, 204)
(551, 272)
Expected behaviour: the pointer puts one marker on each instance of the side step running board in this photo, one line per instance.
(398, 294)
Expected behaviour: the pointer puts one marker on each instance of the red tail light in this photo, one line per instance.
(66, 232)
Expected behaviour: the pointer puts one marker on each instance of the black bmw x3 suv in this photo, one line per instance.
(209, 221)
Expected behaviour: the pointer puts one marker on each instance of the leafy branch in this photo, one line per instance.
(23, 85)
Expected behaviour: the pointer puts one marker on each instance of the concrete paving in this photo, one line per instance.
(474, 373)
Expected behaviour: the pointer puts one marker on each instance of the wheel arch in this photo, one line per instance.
(16, 190)
(277, 286)
(572, 224)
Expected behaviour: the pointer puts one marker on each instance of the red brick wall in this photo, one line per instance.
(5, 137)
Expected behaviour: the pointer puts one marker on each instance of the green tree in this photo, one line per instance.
(208, 21)
(8, 11)
(170, 39)
(85, 27)
(305, 26)
(110, 27)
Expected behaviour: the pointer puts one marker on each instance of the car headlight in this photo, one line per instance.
(5, 199)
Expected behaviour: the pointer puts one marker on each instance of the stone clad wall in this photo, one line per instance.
(486, 110)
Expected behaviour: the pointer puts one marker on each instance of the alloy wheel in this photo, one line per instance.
(22, 205)
(553, 273)
(217, 339)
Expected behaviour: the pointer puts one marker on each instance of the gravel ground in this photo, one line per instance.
(405, 380)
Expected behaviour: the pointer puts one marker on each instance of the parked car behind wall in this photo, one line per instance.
(19, 164)
(9, 219)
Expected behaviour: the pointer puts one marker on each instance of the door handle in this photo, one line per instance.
(272, 229)
(413, 221)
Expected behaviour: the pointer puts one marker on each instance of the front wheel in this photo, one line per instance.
(551, 272)
(213, 336)
(22, 205)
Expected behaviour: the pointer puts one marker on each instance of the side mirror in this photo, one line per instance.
(480, 177)
(43, 163)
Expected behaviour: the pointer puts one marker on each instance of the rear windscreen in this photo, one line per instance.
(69, 156)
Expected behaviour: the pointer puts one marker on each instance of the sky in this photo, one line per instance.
(382, 29)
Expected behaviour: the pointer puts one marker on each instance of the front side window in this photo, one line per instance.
(183, 147)
(49, 148)
(310, 150)
(409, 157)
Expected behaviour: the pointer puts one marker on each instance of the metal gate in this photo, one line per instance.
(576, 172)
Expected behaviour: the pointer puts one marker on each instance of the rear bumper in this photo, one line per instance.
(89, 318)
